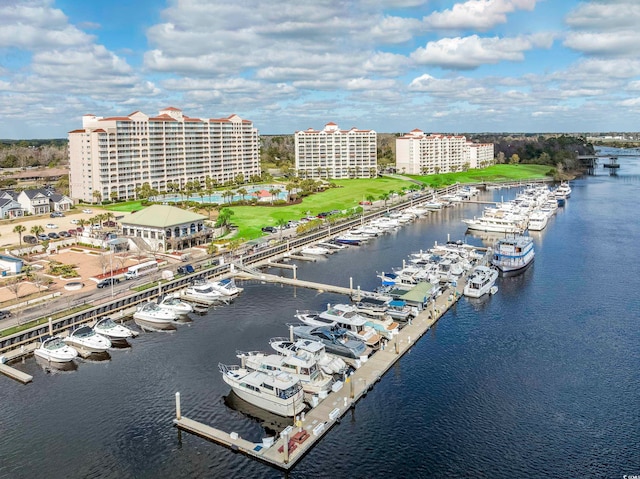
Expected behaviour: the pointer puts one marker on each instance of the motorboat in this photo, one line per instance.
(513, 254)
(85, 339)
(563, 191)
(279, 393)
(204, 292)
(349, 239)
(384, 327)
(108, 328)
(151, 314)
(497, 223)
(345, 316)
(336, 340)
(332, 246)
(480, 281)
(329, 363)
(315, 251)
(301, 366)
(227, 287)
(54, 349)
(538, 220)
(400, 310)
(173, 303)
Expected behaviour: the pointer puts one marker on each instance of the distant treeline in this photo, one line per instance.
(33, 153)
(550, 150)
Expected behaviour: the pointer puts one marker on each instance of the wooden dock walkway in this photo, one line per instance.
(14, 373)
(272, 278)
(313, 425)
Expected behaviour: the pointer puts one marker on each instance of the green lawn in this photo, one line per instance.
(493, 173)
(349, 193)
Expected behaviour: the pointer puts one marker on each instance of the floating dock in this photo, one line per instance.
(295, 441)
(14, 373)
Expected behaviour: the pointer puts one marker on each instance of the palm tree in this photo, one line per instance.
(19, 229)
(243, 192)
(280, 223)
(228, 194)
(36, 230)
(98, 196)
(385, 198)
(274, 192)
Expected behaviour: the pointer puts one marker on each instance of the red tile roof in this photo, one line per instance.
(171, 108)
(77, 131)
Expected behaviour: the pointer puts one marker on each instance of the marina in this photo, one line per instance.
(456, 382)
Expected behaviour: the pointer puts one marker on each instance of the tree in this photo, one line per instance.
(113, 196)
(228, 194)
(36, 230)
(19, 229)
(274, 192)
(97, 196)
(514, 160)
(14, 284)
(281, 223)
(212, 248)
(384, 197)
(224, 216)
(243, 192)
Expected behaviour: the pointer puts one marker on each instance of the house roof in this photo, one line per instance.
(161, 216)
(419, 293)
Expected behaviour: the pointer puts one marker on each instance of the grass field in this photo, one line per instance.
(250, 219)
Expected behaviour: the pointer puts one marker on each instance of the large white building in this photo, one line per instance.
(420, 154)
(115, 156)
(335, 153)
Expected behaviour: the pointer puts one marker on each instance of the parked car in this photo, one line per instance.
(75, 221)
(269, 229)
(79, 229)
(4, 314)
(368, 203)
(53, 235)
(87, 211)
(43, 237)
(64, 234)
(186, 269)
(57, 214)
(51, 226)
(107, 282)
(30, 239)
(109, 224)
(73, 231)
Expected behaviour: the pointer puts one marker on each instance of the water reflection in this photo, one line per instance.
(271, 423)
(53, 367)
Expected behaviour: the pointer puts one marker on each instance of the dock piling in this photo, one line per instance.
(285, 445)
(178, 412)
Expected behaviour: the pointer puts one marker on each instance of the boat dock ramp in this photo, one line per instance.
(295, 441)
(14, 355)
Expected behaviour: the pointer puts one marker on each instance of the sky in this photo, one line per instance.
(440, 66)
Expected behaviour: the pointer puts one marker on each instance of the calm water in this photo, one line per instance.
(540, 380)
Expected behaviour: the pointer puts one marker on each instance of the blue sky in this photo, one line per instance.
(438, 65)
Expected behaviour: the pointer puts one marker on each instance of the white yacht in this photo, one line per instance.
(108, 328)
(87, 340)
(343, 316)
(513, 254)
(563, 191)
(480, 281)
(204, 292)
(280, 393)
(173, 303)
(227, 287)
(497, 223)
(315, 251)
(152, 315)
(538, 220)
(53, 349)
(329, 363)
(303, 367)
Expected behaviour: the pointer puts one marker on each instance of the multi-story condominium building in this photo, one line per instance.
(116, 156)
(335, 153)
(480, 155)
(421, 154)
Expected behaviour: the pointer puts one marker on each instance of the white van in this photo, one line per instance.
(141, 269)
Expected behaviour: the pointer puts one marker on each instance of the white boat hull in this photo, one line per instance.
(279, 407)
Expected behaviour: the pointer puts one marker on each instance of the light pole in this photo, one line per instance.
(111, 266)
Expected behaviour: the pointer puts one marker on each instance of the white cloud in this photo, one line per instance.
(605, 15)
(465, 53)
(476, 14)
(620, 43)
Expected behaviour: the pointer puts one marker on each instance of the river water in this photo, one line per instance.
(540, 380)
